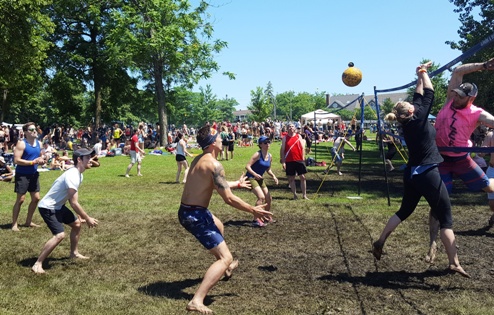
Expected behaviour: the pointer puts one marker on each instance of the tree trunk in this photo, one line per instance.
(4, 104)
(97, 111)
(160, 96)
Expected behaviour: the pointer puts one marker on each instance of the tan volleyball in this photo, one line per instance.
(352, 75)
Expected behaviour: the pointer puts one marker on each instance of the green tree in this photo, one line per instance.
(477, 18)
(23, 50)
(82, 51)
(259, 105)
(284, 103)
(271, 98)
(302, 103)
(168, 43)
(226, 107)
(387, 106)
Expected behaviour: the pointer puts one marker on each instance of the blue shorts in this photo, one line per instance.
(336, 157)
(55, 218)
(200, 223)
(466, 169)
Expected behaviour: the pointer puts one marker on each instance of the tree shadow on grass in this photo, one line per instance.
(175, 290)
(394, 279)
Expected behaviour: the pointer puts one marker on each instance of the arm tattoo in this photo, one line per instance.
(219, 177)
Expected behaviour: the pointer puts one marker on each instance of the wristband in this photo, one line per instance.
(238, 185)
(422, 70)
(32, 162)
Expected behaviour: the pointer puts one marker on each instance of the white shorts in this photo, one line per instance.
(135, 157)
(490, 174)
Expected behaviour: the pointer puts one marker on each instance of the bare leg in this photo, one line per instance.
(47, 249)
(75, 234)
(139, 169)
(378, 245)
(212, 276)
(448, 239)
(293, 188)
(433, 231)
(338, 167)
(31, 208)
(303, 186)
(179, 170)
(185, 174)
(16, 210)
(128, 169)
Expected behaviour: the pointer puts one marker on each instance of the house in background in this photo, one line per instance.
(241, 115)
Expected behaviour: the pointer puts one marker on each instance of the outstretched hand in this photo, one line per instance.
(243, 182)
(260, 213)
(489, 65)
(91, 222)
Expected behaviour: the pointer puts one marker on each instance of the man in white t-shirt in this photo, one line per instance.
(54, 211)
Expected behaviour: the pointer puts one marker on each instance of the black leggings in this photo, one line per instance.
(431, 187)
(391, 151)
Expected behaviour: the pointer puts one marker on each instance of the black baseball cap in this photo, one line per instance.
(467, 89)
(82, 152)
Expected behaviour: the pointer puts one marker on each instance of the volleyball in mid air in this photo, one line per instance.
(351, 76)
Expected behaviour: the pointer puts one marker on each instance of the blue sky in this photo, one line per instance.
(304, 46)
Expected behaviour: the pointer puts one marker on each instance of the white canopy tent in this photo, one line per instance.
(319, 115)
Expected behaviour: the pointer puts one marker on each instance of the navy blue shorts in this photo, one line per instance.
(200, 223)
(55, 218)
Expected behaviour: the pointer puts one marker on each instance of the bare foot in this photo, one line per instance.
(306, 198)
(295, 197)
(229, 271)
(139, 174)
(79, 256)
(15, 228)
(32, 225)
(200, 308)
(431, 255)
(38, 268)
(459, 270)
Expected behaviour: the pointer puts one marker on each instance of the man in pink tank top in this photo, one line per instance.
(455, 123)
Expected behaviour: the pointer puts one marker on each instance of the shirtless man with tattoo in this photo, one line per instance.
(205, 175)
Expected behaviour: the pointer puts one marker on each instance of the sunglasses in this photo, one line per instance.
(31, 129)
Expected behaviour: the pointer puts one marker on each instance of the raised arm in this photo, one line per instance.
(423, 80)
(460, 71)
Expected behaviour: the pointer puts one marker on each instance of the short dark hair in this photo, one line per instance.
(203, 133)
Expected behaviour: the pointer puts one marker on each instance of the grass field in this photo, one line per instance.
(314, 260)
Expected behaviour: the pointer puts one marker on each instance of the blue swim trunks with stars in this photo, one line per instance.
(200, 223)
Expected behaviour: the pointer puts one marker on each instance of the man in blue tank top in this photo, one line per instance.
(27, 157)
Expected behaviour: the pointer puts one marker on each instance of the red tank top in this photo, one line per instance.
(293, 149)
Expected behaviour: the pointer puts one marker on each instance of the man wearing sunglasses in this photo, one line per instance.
(454, 125)
(27, 157)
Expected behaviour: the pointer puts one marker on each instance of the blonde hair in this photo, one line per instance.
(401, 112)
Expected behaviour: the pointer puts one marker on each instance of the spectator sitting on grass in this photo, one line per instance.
(6, 173)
